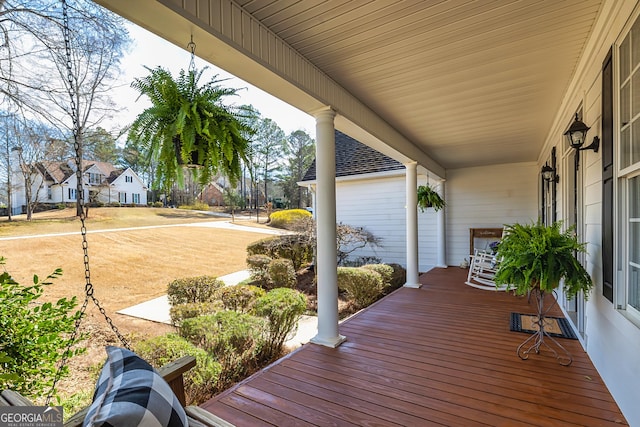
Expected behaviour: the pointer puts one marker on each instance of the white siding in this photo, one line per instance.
(487, 197)
(134, 186)
(379, 206)
(611, 340)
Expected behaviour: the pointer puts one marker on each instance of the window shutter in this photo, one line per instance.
(607, 178)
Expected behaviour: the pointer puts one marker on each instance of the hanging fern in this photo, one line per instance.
(429, 198)
(187, 123)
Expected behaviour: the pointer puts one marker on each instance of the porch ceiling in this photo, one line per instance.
(467, 82)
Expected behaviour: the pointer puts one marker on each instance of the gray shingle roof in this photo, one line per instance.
(355, 158)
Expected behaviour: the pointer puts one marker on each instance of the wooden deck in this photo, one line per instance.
(439, 355)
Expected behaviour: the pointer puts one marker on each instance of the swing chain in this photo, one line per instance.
(88, 288)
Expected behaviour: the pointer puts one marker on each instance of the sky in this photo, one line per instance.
(150, 50)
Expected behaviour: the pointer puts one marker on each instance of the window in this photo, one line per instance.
(49, 193)
(72, 193)
(634, 243)
(128, 178)
(95, 178)
(122, 197)
(628, 167)
(135, 197)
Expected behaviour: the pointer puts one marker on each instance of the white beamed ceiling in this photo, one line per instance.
(467, 82)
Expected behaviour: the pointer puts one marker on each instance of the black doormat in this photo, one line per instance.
(558, 327)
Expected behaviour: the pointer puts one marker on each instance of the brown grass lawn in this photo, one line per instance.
(127, 266)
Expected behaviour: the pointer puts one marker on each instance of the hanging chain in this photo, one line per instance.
(88, 288)
(192, 47)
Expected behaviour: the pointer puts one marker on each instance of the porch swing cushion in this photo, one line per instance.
(130, 392)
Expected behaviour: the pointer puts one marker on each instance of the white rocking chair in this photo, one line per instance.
(482, 269)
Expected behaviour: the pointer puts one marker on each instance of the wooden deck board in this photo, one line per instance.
(439, 355)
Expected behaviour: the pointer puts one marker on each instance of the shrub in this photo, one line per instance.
(157, 204)
(350, 239)
(286, 219)
(33, 336)
(200, 381)
(233, 339)
(362, 286)
(240, 297)
(193, 289)
(386, 271)
(282, 273)
(399, 276)
(282, 307)
(196, 206)
(188, 310)
(296, 247)
(361, 261)
(259, 267)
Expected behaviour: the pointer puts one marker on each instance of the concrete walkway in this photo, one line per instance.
(157, 310)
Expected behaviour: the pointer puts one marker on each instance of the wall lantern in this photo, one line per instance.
(577, 134)
(549, 174)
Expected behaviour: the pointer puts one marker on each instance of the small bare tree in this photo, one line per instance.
(29, 148)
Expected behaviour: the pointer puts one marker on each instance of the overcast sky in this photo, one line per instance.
(152, 51)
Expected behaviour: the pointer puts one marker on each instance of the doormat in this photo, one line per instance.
(555, 326)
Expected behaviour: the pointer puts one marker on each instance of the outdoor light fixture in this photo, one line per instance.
(577, 134)
(549, 174)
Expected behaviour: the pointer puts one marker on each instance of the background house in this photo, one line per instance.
(53, 183)
(370, 193)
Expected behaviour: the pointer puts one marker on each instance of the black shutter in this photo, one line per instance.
(607, 178)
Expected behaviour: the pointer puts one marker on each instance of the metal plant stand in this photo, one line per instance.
(541, 338)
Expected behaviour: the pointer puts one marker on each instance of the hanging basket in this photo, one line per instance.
(194, 157)
(429, 198)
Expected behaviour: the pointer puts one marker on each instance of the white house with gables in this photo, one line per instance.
(53, 183)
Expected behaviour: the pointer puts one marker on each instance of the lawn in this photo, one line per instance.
(127, 266)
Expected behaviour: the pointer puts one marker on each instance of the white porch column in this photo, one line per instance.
(440, 233)
(412, 225)
(325, 211)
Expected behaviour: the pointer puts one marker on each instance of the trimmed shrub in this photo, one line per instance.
(386, 271)
(282, 307)
(196, 206)
(259, 267)
(398, 278)
(193, 289)
(200, 381)
(240, 297)
(288, 218)
(189, 310)
(282, 273)
(233, 339)
(362, 286)
(296, 247)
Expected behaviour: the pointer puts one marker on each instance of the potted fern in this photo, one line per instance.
(429, 198)
(536, 259)
(537, 256)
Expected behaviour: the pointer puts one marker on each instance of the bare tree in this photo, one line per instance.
(28, 151)
(68, 88)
